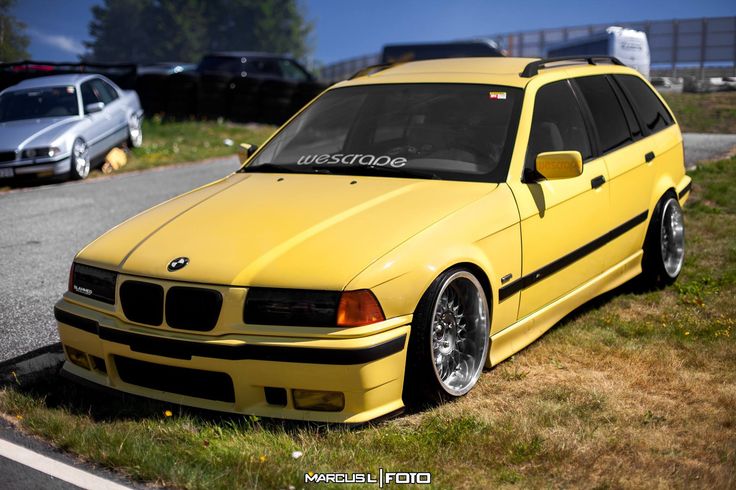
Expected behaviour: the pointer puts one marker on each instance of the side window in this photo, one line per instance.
(557, 124)
(608, 116)
(89, 96)
(292, 72)
(634, 126)
(653, 113)
(102, 91)
(109, 90)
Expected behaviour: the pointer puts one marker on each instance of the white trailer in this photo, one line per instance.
(628, 45)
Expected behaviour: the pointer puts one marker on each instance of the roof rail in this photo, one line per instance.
(533, 68)
(370, 70)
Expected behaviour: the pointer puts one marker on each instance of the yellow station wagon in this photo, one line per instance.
(408, 228)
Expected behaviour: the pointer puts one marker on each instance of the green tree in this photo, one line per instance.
(144, 31)
(13, 42)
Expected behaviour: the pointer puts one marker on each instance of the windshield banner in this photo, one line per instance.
(352, 159)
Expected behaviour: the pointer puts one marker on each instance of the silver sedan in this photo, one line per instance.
(62, 125)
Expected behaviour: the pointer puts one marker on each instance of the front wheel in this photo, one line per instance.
(80, 163)
(664, 246)
(448, 345)
(135, 132)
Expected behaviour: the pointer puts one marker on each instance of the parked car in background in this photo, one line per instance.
(62, 125)
(399, 53)
(253, 86)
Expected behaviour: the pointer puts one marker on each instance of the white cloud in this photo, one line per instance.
(58, 41)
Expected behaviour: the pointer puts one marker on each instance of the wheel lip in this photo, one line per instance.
(486, 338)
(84, 171)
(672, 204)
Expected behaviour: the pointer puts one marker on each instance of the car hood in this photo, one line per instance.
(29, 133)
(279, 230)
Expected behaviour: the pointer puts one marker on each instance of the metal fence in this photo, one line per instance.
(696, 47)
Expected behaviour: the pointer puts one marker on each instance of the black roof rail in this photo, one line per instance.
(370, 70)
(533, 68)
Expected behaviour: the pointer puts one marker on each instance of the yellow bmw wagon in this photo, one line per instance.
(407, 229)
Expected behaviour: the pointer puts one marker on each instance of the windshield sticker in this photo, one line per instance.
(497, 95)
(70, 90)
(352, 159)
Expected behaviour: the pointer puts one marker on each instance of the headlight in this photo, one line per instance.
(299, 307)
(92, 282)
(47, 151)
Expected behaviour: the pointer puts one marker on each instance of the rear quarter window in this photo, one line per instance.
(652, 112)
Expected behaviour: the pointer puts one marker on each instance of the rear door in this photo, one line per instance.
(560, 219)
(630, 159)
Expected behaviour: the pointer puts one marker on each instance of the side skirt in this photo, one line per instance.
(515, 337)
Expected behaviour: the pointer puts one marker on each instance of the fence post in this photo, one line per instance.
(703, 37)
(675, 45)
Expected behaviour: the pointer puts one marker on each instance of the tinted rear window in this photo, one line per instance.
(653, 113)
(606, 110)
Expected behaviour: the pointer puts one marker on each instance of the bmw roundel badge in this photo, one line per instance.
(178, 263)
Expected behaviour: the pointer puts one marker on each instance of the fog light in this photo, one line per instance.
(77, 357)
(324, 401)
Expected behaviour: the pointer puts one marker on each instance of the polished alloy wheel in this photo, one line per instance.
(136, 132)
(460, 334)
(672, 241)
(80, 159)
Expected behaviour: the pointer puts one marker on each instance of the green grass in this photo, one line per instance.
(704, 113)
(170, 142)
(636, 389)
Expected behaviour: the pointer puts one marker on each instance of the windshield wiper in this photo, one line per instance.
(269, 168)
(390, 171)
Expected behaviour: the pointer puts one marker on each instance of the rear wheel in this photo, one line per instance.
(80, 163)
(449, 340)
(664, 247)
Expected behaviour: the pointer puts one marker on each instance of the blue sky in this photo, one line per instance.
(346, 28)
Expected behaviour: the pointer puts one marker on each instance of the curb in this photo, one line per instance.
(32, 365)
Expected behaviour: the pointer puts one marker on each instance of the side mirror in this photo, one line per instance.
(96, 107)
(559, 164)
(245, 151)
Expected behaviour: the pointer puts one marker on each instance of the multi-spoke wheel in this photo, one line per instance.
(449, 340)
(80, 163)
(664, 247)
(135, 132)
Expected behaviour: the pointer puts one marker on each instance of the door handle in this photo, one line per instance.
(649, 156)
(596, 182)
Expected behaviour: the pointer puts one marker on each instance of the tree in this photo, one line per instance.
(144, 31)
(13, 42)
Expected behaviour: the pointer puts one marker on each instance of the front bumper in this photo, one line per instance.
(36, 168)
(368, 370)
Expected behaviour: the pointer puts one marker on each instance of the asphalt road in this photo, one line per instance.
(42, 228)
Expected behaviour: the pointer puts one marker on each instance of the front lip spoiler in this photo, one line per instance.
(182, 349)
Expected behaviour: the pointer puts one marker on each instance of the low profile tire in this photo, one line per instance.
(135, 132)
(664, 246)
(448, 345)
(80, 163)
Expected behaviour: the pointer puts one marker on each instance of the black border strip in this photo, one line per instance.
(559, 264)
(182, 349)
(684, 191)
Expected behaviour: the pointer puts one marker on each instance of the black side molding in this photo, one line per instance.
(559, 264)
(183, 349)
(685, 190)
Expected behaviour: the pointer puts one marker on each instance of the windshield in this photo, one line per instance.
(38, 102)
(446, 131)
